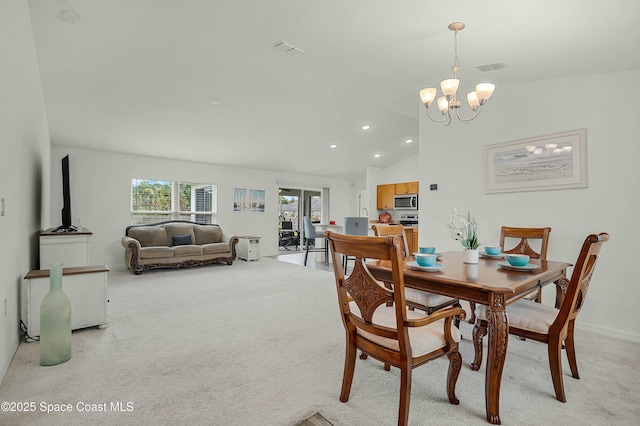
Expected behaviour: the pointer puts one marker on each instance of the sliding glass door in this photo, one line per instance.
(293, 205)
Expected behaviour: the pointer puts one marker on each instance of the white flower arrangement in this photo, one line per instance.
(464, 229)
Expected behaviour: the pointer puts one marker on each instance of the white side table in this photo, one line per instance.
(248, 248)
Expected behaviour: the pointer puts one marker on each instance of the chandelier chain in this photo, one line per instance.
(455, 49)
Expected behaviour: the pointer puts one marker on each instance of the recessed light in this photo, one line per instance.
(376, 155)
(366, 127)
(215, 101)
(333, 146)
(408, 141)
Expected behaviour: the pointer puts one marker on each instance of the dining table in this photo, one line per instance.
(490, 282)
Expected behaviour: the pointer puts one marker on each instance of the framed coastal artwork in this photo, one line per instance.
(248, 200)
(557, 161)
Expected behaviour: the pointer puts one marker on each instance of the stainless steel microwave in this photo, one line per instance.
(405, 202)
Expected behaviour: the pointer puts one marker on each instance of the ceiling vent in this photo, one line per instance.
(288, 47)
(491, 67)
(69, 16)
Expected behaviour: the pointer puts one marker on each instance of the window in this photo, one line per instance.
(316, 208)
(157, 201)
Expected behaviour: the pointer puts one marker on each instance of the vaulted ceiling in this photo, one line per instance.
(200, 80)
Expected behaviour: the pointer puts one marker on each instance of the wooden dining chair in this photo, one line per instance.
(393, 334)
(520, 239)
(395, 230)
(546, 324)
(416, 299)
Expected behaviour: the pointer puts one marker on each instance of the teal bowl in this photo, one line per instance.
(425, 259)
(492, 250)
(427, 250)
(518, 259)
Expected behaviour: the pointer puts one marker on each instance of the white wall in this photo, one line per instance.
(452, 157)
(24, 166)
(403, 171)
(101, 184)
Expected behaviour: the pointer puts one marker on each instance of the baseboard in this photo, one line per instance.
(609, 332)
(7, 357)
(118, 267)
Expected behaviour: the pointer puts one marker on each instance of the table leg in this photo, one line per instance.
(498, 331)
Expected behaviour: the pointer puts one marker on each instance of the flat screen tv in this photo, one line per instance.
(66, 198)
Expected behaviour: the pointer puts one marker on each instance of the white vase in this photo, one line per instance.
(470, 256)
(55, 321)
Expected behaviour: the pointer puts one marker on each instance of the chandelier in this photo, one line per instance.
(449, 103)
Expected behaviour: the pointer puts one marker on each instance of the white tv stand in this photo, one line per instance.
(69, 248)
(86, 287)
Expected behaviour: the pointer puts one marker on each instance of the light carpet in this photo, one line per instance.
(262, 343)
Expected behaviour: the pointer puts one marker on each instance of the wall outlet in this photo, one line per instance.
(433, 186)
(2, 208)
(5, 307)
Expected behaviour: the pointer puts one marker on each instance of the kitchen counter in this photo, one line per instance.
(411, 231)
(393, 222)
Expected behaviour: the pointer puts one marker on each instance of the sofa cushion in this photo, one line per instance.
(156, 252)
(180, 251)
(182, 240)
(175, 229)
(207, 234)
(215, 248)
(149, 236)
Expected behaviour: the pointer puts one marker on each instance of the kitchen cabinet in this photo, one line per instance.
(385, 196)
(406, 188)
(386, 192)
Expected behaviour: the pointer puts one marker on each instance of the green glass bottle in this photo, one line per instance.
(55, 321)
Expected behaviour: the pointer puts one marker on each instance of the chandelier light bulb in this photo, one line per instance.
(484, 91)
(449, 87)
(474, 102)
(443, 104)
(428, 94)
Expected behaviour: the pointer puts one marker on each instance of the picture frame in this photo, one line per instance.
(555, 161)
(248, 200)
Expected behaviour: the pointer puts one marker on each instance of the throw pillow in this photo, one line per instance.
(181, 240)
